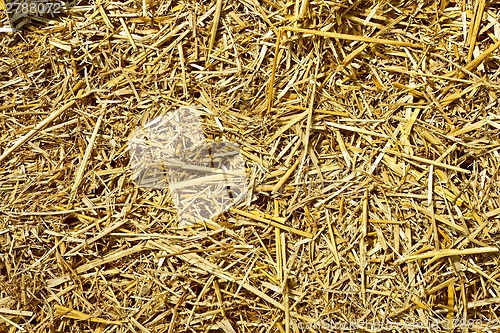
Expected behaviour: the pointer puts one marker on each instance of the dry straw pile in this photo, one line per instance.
(370, 132)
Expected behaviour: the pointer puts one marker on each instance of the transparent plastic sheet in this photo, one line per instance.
(205, 178)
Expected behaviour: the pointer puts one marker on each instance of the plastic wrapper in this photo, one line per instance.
(205, 178)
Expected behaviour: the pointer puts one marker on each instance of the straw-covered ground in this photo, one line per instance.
(370, 133)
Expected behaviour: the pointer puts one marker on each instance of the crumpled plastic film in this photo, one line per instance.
(205, 178)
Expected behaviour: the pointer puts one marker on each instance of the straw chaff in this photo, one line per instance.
(370, 132)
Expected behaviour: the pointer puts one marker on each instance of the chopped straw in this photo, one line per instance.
(370, 133)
